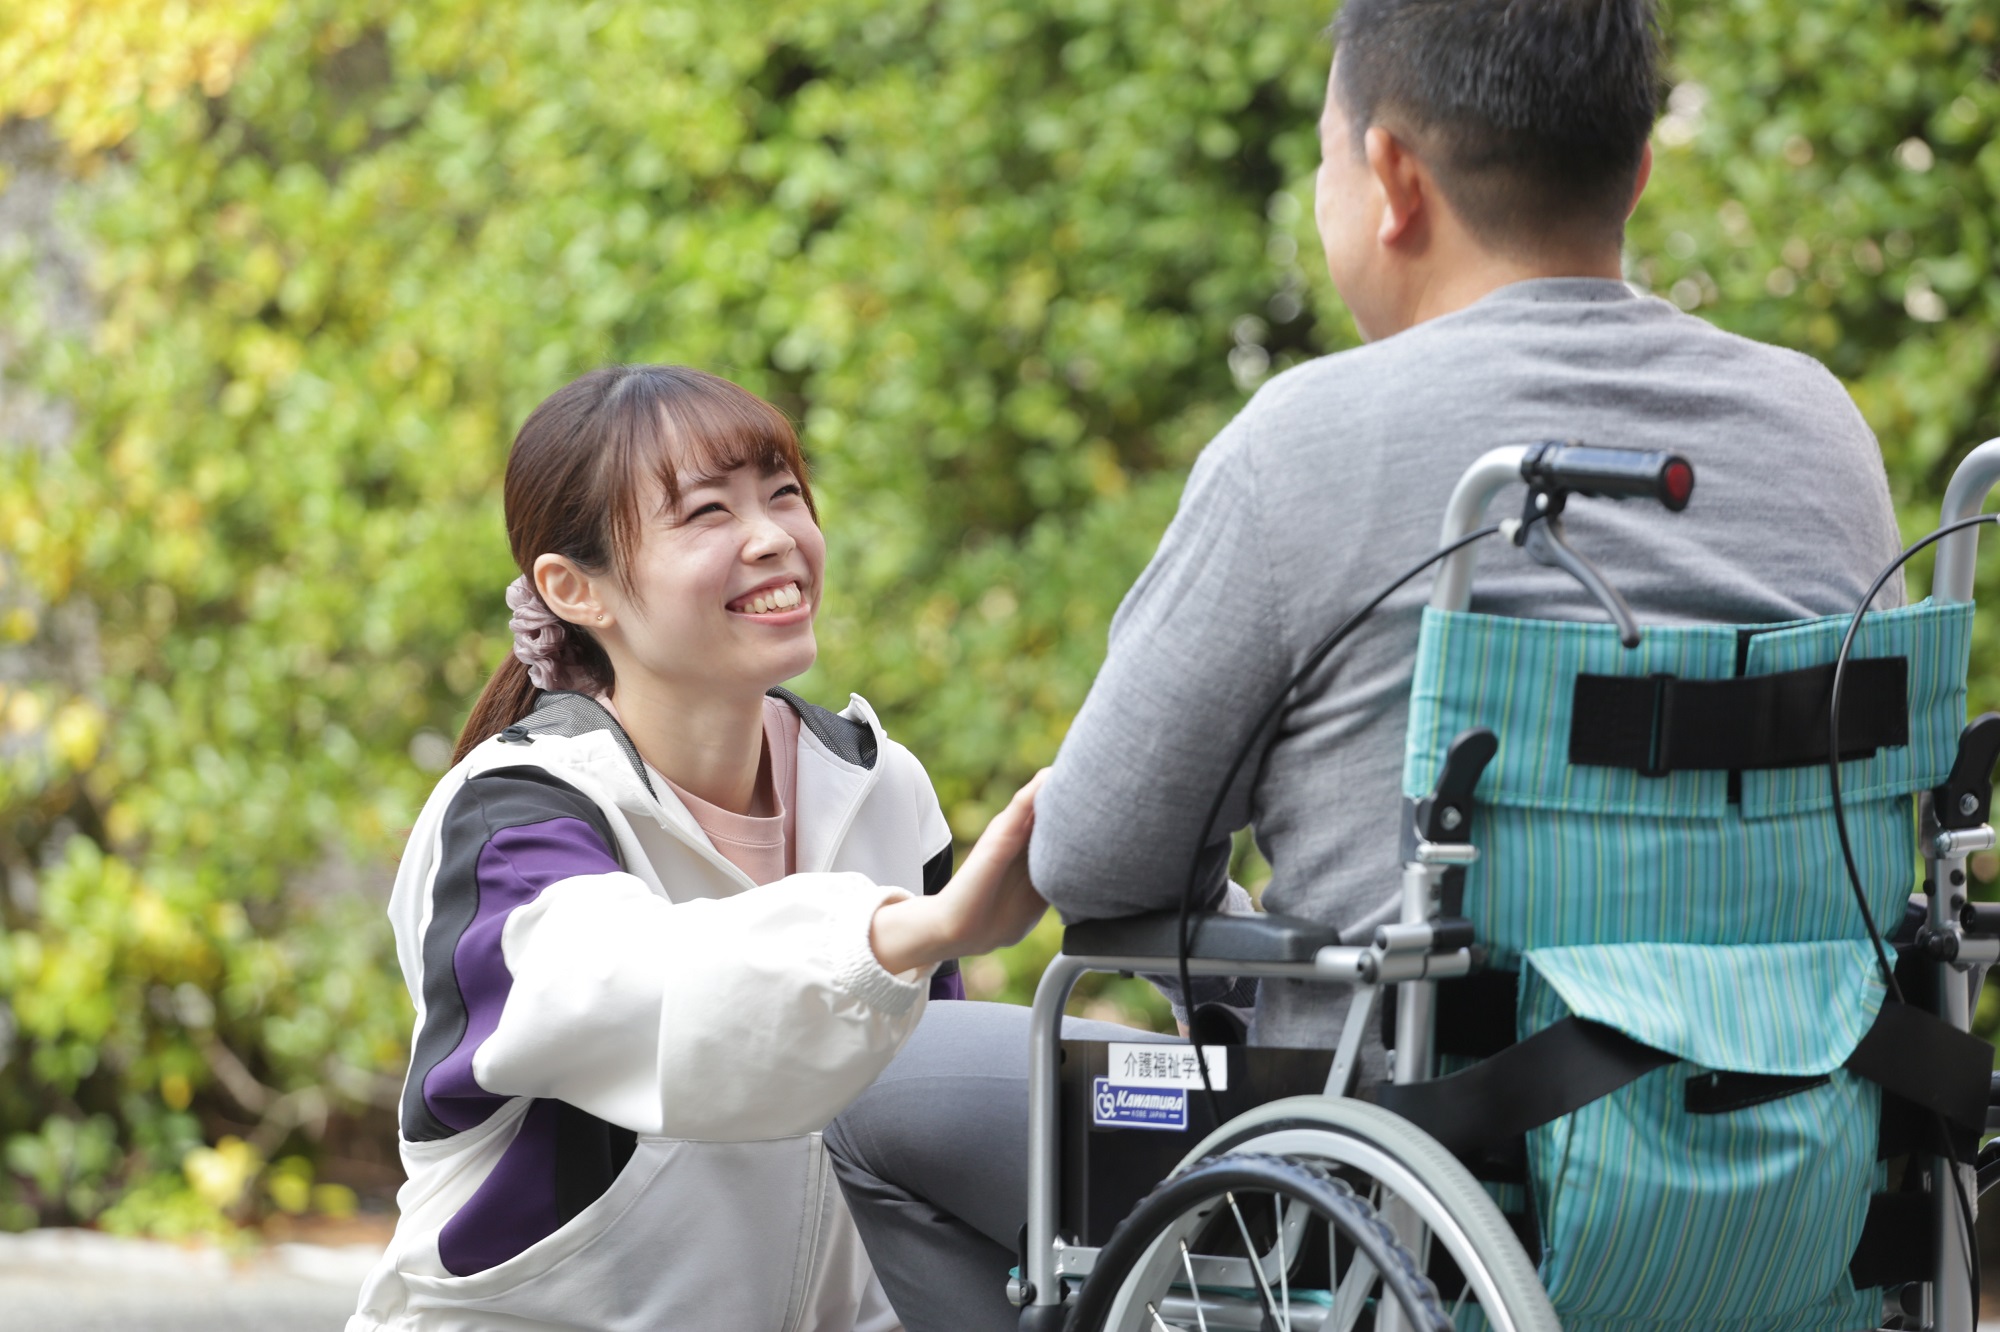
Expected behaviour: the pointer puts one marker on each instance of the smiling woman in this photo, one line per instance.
(663, 919)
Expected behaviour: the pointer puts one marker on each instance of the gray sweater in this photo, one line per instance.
(1331, 482)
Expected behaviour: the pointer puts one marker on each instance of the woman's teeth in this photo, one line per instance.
(773, 599)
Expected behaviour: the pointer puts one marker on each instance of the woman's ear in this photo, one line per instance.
(569, 591)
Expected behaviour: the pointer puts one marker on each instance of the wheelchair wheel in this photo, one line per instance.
(1438, 1213)
(1191, 1256)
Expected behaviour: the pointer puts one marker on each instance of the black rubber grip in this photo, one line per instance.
(1980, 918)
(1451, 933)
(1584, 469)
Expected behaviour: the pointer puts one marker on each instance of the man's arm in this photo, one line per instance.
(1197, 653)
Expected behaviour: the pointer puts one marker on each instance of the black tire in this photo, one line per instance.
(1360, 1142)
(1199, 1193)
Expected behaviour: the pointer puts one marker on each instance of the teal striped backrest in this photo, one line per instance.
(1722, 932)
(1573, 855)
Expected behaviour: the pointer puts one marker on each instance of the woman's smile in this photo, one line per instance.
(773, 601)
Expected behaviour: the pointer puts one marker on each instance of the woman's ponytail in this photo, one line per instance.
(508, 697)
(549, 653)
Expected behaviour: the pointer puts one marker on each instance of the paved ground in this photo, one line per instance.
(79, 1281)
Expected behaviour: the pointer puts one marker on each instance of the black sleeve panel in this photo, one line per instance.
(937, 870)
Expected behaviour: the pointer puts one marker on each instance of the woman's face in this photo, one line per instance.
(725, 585)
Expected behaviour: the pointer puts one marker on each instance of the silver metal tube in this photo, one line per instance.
(1345, 964)
(1414, 998)
(1958, 554)
(1950, 1295)
(1496, 469)
(1951, 1289)
(1951, 1284)
(1413, 1030)
(1964, 841)
(1347, 1056)
(1044, 1163)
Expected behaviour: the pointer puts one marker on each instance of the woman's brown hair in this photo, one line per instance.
(576, 481)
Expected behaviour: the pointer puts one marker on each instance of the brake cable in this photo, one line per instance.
(1184, 941)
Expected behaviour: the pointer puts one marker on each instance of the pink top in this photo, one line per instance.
(760, 846)
(763, 846)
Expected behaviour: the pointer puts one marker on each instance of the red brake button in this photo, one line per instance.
(1677, 480)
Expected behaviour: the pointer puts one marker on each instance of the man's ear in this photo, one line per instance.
(569, 591)
(1645, 174)
(1401, 179)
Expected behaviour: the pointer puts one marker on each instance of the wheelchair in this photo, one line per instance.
(1674, 1044)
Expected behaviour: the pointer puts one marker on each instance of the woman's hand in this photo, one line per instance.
(988, 904)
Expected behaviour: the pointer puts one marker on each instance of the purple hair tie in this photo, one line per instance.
(539, 636)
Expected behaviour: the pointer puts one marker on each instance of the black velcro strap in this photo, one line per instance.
(1898, 1242)
(1658, 724)
(1475, 1014)
(1926, 1060)
(1719, 1093)
(1478, 1114)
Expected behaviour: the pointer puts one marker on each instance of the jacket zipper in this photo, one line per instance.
(805, 1275)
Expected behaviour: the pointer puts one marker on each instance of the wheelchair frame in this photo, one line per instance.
(1413, 955)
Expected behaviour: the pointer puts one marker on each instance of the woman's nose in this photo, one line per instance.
(768, 537)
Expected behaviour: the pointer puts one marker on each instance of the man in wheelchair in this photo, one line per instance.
(1478, 163)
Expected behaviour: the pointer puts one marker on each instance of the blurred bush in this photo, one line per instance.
(1009, 266)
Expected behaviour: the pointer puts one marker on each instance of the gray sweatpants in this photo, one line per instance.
(933, 1159)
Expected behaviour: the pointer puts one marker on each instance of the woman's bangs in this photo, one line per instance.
(712, 438)
(676, 423)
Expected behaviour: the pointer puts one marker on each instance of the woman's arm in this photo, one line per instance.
(988, 904)
(546, 970)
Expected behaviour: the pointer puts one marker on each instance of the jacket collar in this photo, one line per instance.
(566, 713)
(838, 756)
(852, 740)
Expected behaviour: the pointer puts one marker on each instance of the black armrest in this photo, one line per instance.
(1217, 938)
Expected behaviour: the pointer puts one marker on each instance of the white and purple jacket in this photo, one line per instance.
(625, 1049)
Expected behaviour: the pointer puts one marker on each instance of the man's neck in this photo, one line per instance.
(710, 747)
(1443, 288)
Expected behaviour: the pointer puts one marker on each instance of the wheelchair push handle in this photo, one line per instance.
(1585, 469)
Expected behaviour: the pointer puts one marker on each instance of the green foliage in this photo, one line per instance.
(1833, 186)
(1009, 266)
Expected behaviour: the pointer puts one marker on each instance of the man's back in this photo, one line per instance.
(1333, 481)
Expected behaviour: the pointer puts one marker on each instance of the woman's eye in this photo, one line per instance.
(791, 489)
(706, 509)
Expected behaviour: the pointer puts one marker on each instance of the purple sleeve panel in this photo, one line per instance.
(560, 1161)
(513, 868)
(948, 987)
(514, 1206)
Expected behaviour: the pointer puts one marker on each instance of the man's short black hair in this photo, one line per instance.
(1531, 114)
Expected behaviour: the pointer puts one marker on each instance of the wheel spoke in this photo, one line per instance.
(1187, 1264)
(1350, 1297)
(1159, 1323)
(1257, 1268)
(1278, 1251)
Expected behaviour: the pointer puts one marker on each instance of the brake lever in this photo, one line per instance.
(1544, 541)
